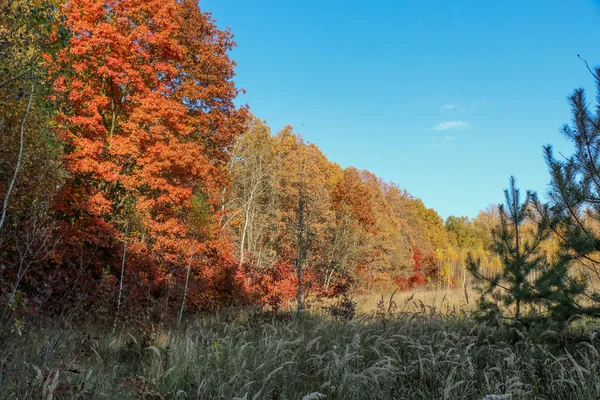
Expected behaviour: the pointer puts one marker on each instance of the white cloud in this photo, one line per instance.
(443, 126)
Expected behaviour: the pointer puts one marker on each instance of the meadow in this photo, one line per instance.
(149, 218)
(429, 353)
(418, 300)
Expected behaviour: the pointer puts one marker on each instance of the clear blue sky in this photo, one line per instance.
(445, 98)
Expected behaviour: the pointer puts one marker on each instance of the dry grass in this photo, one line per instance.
(258, 356)
(418, 300)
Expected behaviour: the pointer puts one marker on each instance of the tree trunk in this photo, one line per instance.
(13, 181)
(120, 284)
(187, 281)
(300, 254)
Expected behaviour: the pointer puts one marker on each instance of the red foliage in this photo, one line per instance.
(146, 118)
(145, 115)
(273, 285)
(416, 277)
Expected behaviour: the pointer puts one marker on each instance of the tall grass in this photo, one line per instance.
(255, 357)
(415, 300)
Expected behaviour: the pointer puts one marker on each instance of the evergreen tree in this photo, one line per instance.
(574, 212)
(512, 292)
(553, 290)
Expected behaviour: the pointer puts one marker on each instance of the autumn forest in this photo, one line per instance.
(137, 195)
(128, 173)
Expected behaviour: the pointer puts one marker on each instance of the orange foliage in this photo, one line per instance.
(165, 179)
(147, 120)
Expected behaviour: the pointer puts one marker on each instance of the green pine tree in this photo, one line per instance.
(512, 293)
(533, 287)
(574, 212)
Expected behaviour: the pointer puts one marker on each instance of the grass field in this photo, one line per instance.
(263, 356)
(417, 300)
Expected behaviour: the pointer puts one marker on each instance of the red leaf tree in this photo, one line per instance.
(147, 120)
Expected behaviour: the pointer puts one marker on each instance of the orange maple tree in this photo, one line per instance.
(147, 120)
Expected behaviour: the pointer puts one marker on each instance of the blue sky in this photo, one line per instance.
(445, 98)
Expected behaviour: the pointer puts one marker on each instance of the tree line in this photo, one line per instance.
(132, 187)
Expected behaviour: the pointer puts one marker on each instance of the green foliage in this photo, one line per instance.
(574, 215)
(461, 230)
(513, 291)
(30, 167)
(199, 217)
(533, 288)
